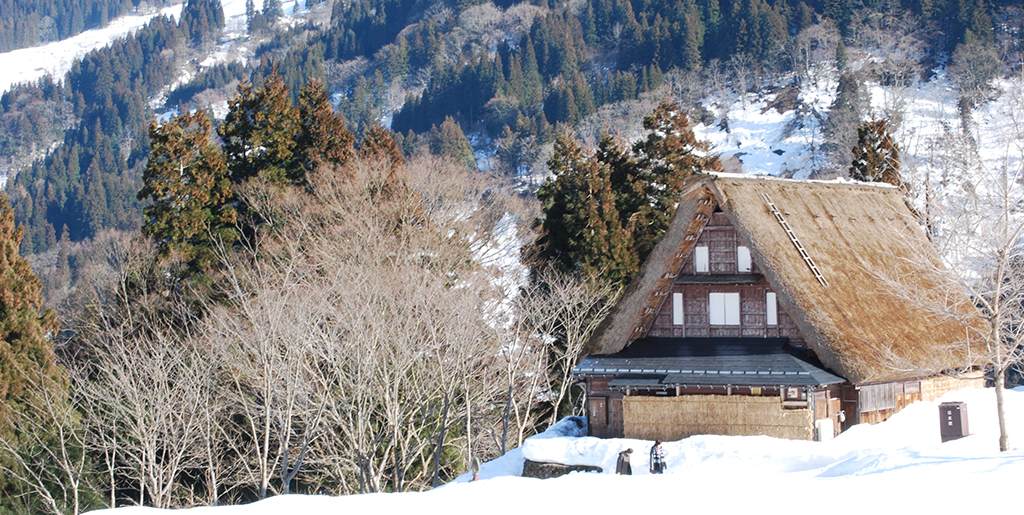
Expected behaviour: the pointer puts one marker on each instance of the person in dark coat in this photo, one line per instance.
(622, 466)
(657, 458)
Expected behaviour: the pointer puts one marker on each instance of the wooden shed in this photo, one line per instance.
(766, 309)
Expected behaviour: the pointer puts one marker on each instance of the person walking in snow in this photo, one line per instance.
(657, 458)
(622, 466)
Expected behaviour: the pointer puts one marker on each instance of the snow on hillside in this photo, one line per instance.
(55, 59)
(897, 466)
(769, 142)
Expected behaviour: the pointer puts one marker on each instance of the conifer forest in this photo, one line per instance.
(347, 246)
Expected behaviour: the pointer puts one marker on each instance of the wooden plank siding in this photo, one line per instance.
(877, 402)
(722, 240)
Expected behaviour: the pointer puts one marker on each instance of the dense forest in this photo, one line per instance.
(511, 76)
(294, 282)
(89, 182)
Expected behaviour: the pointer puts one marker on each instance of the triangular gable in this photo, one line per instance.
(851, 233)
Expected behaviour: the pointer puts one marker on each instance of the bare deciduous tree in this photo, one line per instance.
(976, 223)
(48, 456)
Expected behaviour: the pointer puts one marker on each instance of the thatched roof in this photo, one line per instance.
(868, 318)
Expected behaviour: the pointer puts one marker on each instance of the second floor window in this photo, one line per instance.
(701, 258)
(743, 263)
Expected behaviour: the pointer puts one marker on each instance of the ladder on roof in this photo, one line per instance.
(792, 237)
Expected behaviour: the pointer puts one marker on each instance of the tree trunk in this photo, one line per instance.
(504, 420)
(469, 424)
(440, 442)
(1004, 436)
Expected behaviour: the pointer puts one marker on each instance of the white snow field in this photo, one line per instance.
(55, 59)
(899, 466)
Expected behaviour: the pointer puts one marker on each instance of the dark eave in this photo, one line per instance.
(719, 279)
(709, 361)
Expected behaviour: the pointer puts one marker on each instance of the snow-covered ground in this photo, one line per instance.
(55, 59)
(922, 117)
(899, 466)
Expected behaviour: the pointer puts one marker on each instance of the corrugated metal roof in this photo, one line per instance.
(709, 361)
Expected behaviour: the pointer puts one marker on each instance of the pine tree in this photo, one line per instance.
(378, 143)
(27, 361)
(26, 327)
(63, 258)
(272, 11)
(250, 13)
(844, 117)
(653, 182)
(840, 56)
(451, 142)
(186, 177)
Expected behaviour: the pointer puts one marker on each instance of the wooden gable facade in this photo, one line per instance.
(704, 341)
(727, 269)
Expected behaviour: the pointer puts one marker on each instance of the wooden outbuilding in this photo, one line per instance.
(775, 307)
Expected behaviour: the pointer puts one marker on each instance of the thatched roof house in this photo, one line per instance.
(836, 269)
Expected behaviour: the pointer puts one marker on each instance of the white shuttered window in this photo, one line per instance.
(772, 308)
(743, 263)
(701, 258)
(677, 309)
(724, 308)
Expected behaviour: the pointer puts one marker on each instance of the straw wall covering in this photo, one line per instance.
(673, 418)
(935, 387)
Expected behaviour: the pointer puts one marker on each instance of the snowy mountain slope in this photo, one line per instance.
(897, 466)
(55, 59)
(924, 116)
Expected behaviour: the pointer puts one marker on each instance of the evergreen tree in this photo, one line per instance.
(844, 117)
(451, 142)
(26, 327)
(876, 158)
(27, 361)
(663, 160)
(841, 56)
(186, 177)
(639, 185)
(378, 142)
(250, 11)
(582, 230)
(323, 139)
(272, 11)
(63, 261)
(202, 19)
(260, 133)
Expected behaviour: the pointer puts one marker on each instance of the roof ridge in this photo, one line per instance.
(839, 181)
